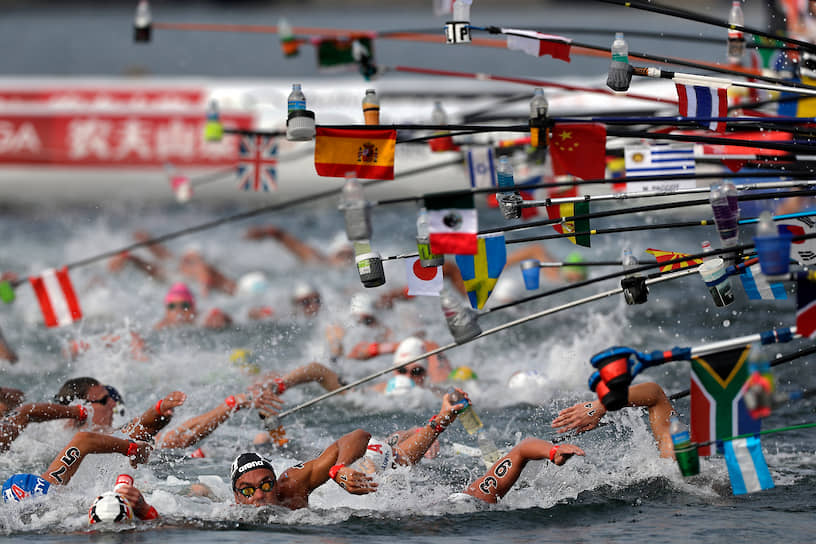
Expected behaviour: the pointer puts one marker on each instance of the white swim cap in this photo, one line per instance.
(304, 289)
(338, 243)
(399, 385)
(362, 304)
(408, 349)
(379, 456)
(526, 378)
(109, 507)
(508, 289)
(254, 283)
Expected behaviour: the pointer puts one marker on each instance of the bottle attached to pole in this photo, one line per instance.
(724, 204)
(685, 451)
(371, 107)
(142, 23)
(634, 286)
(300, 122)
(619, 76)
(356, 211)
(369, 264)
(289, 44)
(427, 258)
(440, 143)
(538, 118)
(470, 421)
(736, 39)
(462, 320)
(213, 129)
(458, 30)
(509, 201)
(773, 248)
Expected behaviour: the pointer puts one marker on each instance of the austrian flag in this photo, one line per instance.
(55, 293)
(538, 44)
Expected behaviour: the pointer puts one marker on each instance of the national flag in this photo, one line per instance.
(481, 271)
(663, 256)
(659, 160)
(757, 287)
(579, 149)
(717, 408)
(339, 52)
(806, 304)
(746, 465)
(560, 211)
(421, 280)
(527, 213)
(796, 105)
(700, 101)
(453, 223)
(55, 293)
(367, 153)
(538, 44)
(803, 251)
(481, 167)
(257, 163)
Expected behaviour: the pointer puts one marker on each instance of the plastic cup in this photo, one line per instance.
(719, 285)
(774, 253)
(530, 271)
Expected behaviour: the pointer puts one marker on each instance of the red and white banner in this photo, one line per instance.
(92, 96)
(55, 293)
(116, 139)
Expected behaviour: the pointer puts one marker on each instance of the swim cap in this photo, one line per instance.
(246, 462)
(526, 378)
(244, 359)
(20, 486)
(378, 457)
(462, 374)
(362, 304)
(179, 292)
(338, 243)
(110, 507)
(303, 290)
(410, 348)
(399, 385)
(577, 273)
(253, 283)
(508, 289)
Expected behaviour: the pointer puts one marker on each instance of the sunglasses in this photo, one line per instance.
(415, 371)
(266, 487)
(179, 305)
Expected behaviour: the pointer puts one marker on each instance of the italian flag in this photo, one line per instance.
(453, 223)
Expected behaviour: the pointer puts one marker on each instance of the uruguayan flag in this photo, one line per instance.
(481, 167)
(659, 160)
(757, 287)
(746, 466)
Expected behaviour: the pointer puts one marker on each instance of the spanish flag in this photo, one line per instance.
(367, 153)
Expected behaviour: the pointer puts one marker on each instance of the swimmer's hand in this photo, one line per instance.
(580, 417)
(355, 482)
(564, 452)
(171, 401)
(263, 399)
(450, 409)
(135, 498)
(141, 454)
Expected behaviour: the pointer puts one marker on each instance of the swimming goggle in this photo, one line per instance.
(266, 487)
(179, 305)
(415, 371)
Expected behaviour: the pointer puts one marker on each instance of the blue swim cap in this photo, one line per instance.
(20, 486)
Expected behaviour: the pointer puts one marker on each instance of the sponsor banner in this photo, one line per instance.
(105, 97)
(116, 139)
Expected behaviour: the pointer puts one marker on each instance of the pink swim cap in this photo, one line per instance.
(179, 292)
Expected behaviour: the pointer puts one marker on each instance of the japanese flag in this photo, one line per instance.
(58, 302)
(421, 280)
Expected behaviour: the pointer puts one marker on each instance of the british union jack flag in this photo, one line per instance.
(257, 163)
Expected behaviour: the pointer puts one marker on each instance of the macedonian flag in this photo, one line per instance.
(367, 153)
(663, 256)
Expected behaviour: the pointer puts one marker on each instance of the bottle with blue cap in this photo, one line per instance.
(684, 450)
(467, 416)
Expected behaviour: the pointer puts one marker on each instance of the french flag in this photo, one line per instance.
(700, 101)
(55, 293)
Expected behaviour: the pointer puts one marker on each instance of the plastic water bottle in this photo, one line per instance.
(462, 321)
(723, 198)
(684, 451)
(634, 286)
(122, 479)
(620, 49)
(470, 421)
(509, 201)
(766, 226)
(356, 211)
(427, 258)
(296, 100)
(736, 39)
(369, 264)
(619, 76)
(213, 129)
(438, 115)
(289, 44)
(707, 249)
(142, 22)
(371, 107)
(628, 260)
(539, 105)
(490, 453)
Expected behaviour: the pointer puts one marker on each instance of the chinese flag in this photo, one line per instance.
(579, 149)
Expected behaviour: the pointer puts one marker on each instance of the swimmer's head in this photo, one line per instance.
(363, 310)
(306, 299)
(340, 249)
(253, 283)
(462, 374)
(180, 304)
(21, 486)
(110, 507)
(253, 480)
(576, 272)
(411, 348)
(379, 456)
(245, 360)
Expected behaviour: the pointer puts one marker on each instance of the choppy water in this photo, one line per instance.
(620, 491)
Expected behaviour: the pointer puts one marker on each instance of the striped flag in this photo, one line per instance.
(481, 167)
(700, 101)
(757, 287)
(663, 256)
(746, 465)
(481, 271)
(421, 280)
(717, 408)
(257, 163)
(538, 44)
(803, 251)
(55, 293)
(367, 153)
(560, 211)
(659, 160)
(453, 223)
(806, 304)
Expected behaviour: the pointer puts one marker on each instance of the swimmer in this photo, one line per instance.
(306, 300)
(121, 504)
(584, 416)
(254, 482)
(340, 252)
(435, 368)
(193, 266)
(67, 462)
(377, 336)
(13, 424)
(180, 309)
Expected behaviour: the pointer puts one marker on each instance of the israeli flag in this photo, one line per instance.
(746, 466)
(481, 167)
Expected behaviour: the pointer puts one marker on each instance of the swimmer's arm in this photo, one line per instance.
(141, 508)
(501, 477)
(312, 372)
(410, 450)
(146, 426)
(297, 247)
(68, 460)
(345, 451)
(13, 425)
(9, 398)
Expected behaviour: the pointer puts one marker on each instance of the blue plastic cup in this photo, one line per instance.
(774, 253)
(530, 270)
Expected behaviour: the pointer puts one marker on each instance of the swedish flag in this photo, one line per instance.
(481, 271)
